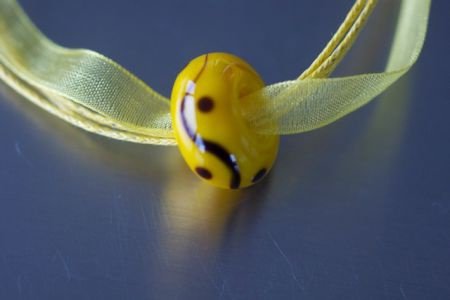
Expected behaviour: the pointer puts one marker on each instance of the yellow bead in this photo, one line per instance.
(213, 137)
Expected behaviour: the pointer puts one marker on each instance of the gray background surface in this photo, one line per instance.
(357, 210)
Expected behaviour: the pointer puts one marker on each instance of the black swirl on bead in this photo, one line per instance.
(209, 146)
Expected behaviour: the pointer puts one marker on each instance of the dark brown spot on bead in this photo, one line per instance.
(259, 175)
(205, 104)
(205, 173)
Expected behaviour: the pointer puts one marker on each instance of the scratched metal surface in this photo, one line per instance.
(357, 210)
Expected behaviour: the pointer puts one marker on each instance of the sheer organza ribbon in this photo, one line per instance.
(94, 93)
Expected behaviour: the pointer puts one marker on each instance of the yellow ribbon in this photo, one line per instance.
(92, 92)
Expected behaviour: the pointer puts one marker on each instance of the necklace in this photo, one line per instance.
(223, 118)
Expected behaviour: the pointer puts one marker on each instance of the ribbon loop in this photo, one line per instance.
(92, 92)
